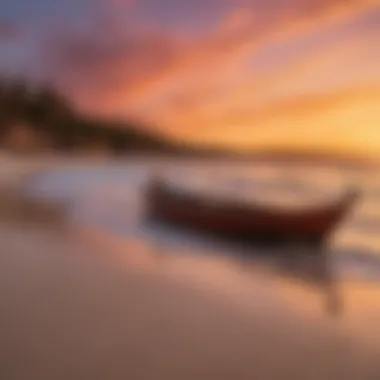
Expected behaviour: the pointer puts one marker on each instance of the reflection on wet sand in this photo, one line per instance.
(86, 312)
(314, 271)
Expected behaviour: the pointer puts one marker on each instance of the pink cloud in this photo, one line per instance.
(118, 66)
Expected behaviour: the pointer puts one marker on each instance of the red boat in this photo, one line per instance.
(242, 220)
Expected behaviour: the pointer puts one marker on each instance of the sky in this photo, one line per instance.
(242, 74)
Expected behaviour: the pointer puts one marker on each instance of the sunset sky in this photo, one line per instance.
(236, 73)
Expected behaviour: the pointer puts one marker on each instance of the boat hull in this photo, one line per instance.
(233, 220)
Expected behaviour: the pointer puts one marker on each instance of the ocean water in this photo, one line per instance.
(110, 198)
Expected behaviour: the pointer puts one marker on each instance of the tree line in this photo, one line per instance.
(46, 112)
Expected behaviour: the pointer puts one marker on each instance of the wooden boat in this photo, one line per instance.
(242, 220)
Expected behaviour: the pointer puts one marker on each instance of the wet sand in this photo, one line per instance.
(76, 306)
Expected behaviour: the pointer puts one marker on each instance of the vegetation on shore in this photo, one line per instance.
(39, 117)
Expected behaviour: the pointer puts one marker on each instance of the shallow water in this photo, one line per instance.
(109, 198)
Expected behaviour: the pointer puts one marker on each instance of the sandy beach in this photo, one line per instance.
(76, 306)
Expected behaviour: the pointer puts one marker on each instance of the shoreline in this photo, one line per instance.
(84, 309)
(17, 208)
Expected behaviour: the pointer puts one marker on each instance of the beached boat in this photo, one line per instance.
(243, 220)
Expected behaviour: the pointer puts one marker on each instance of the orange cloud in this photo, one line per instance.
(222, 51)
(336, 60)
